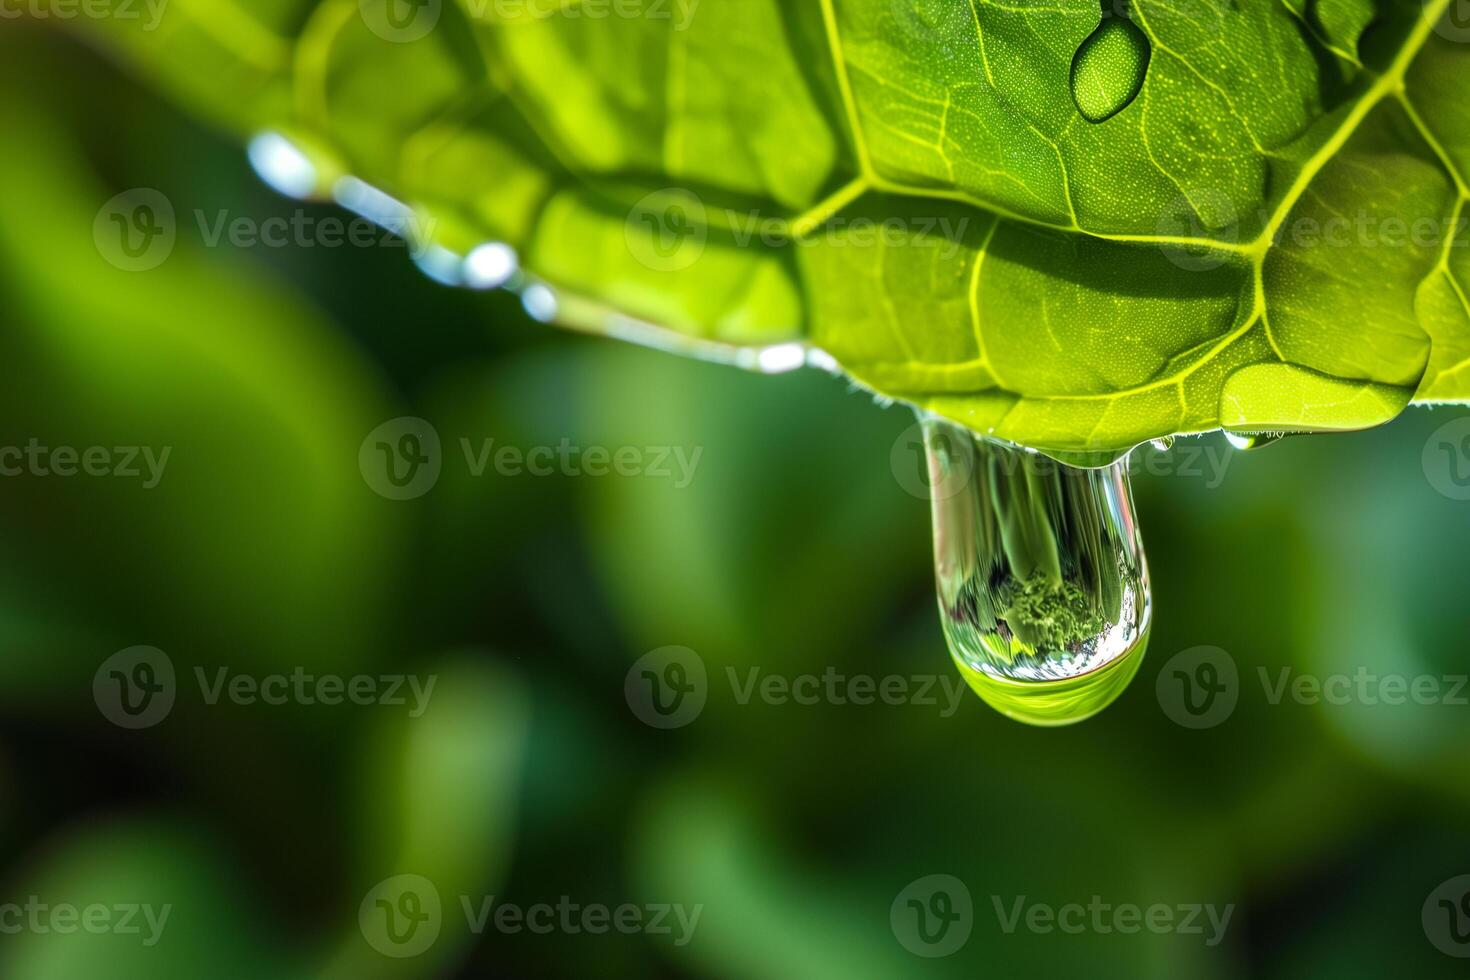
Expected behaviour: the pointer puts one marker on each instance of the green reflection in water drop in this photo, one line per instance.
(1109, 67)
(1043, 586)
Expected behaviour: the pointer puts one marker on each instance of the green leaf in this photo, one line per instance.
(1068, 225)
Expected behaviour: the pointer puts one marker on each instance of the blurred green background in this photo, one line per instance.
(795, 549)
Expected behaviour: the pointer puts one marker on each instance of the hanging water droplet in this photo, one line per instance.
(1109, 67)
(1043, 586)
(1162, 445)
(1253, 440)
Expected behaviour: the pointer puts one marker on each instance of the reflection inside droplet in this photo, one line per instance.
(1043, 586)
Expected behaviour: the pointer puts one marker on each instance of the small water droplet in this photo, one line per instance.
(1162, 445)
(1109, 67)
(1043, 586)
(780, 358)
(540, 303)
(822, 361)
(490, 266)
(438, 263)
(1244, 441)
(283, 165)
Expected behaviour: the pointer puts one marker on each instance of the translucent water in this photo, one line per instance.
(1244, 441)
(1043, 586)
(1109, 67)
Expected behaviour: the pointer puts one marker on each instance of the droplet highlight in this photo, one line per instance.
(1043, 584)
(283, 165)
(490, 266)
(540, 303)
(1244, 441)
(1109, 67)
